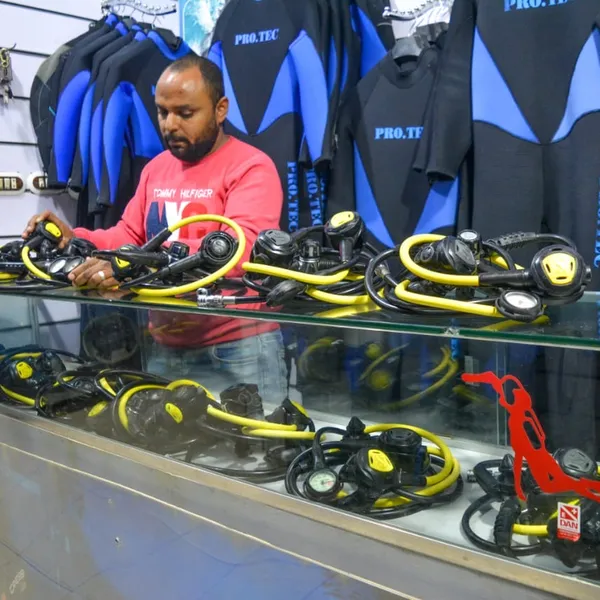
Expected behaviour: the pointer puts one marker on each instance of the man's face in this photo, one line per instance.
(189, 121)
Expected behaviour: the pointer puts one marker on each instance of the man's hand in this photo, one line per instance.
(94, 273)
(67, 232)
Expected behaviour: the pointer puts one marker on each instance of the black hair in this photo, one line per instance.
(211, 74)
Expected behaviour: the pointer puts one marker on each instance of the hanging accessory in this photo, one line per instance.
(407, 47)
(37, 183)
(157, 11)
(6, 76)
(12, 183)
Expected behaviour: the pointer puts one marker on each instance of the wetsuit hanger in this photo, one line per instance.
(417, 10)
(146, 9)
(111, 6)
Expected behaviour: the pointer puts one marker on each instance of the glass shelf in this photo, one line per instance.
(575, 326)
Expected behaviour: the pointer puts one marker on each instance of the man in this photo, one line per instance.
(204, 171)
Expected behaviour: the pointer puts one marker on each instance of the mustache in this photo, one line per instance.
(176, 138)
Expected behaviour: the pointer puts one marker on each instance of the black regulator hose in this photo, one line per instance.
(483, 504)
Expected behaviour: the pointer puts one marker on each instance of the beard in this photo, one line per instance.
(193, 152)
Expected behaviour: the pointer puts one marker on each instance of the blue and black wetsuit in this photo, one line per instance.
(96, 127)
(74, 82)
(519, 91)
(45, 88)
(80, 171)
(274, 57)
(378, 134)
(528, 110)
(129, 118)
(376, 36)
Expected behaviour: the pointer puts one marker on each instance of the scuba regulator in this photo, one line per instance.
(171, 417)
(153, 270)
(384, 476)
(71, 396)
(26, 373)
(466, 274)
(38, 259)
(536, 517)
(284, 267)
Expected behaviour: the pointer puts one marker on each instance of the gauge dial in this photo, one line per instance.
(521, 300)
(323, 481)
(57, 265)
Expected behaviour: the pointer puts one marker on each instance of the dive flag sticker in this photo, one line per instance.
(569, 522)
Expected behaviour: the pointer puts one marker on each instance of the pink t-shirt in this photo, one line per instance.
(237, 181)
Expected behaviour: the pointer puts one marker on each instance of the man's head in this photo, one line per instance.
(192, 107)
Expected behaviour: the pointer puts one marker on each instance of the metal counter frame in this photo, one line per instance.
(399, 562)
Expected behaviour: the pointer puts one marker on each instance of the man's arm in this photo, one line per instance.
(129, 230)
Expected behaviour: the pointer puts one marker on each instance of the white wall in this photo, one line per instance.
(38, 27)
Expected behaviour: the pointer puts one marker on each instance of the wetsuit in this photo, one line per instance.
(74, 82)
(530, 113)
(128, 100)
(520, 90)
(80, 171)
(275, 72)
(46, 86)
(378, 134)
(376, 36)
(96, 127)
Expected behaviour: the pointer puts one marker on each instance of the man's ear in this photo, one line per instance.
(222, 110)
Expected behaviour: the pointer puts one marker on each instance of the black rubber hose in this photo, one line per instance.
(318, 448)
(389, 301)
(478, 505)
(502, 252)
(503, 525)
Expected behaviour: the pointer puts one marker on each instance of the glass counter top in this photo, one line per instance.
(575, 325)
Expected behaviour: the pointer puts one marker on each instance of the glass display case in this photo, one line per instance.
(473, 442)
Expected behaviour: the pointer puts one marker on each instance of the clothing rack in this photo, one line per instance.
(147, 9)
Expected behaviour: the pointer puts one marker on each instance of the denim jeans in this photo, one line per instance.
(256, 359)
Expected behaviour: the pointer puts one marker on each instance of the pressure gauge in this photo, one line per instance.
(323, 484)
(472, 239)
(57, 266)
(519, 305)
(61, 267)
